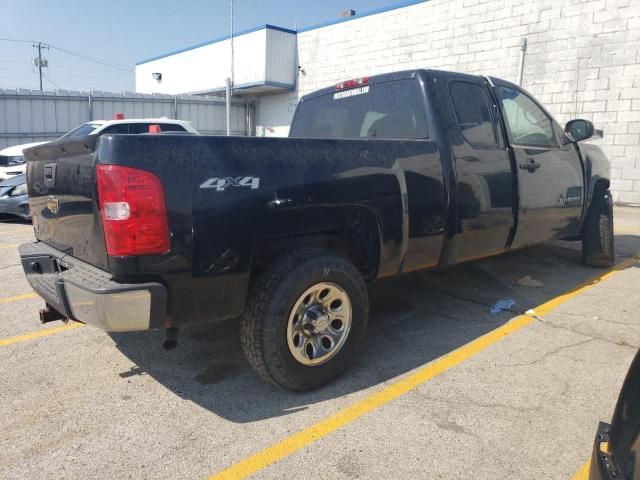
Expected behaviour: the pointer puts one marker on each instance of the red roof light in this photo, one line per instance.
(355, 82)
(119, 116)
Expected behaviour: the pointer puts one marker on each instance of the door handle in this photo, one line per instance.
(530, 165)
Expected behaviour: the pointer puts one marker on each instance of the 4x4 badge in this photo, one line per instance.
(220, 184)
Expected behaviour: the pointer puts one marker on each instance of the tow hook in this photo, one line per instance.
(49, 314)
(171, 338)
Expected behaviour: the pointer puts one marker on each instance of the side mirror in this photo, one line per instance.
(578, 130)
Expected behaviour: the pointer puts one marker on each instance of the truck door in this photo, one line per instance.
(549, 173)
(484, 187)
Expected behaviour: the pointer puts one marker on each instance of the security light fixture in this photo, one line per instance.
(157, 76)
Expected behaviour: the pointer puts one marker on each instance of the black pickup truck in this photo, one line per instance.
(380, 176)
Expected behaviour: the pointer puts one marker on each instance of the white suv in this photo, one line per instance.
(12, 158)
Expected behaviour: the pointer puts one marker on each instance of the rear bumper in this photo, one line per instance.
(86, 294)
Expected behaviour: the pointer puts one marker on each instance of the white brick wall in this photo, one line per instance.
(583, 60)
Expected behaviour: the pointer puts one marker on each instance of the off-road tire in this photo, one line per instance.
(263, 329)
(598, 239)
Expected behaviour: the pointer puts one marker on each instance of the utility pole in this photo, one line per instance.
(523, 52)
(40, 62)
(232, 79)
(229, 82)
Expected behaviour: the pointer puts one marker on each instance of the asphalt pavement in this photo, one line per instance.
(442, 389)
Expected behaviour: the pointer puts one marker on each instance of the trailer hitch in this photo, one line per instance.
(49, 314)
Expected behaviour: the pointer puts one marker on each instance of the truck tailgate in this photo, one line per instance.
(63, 199)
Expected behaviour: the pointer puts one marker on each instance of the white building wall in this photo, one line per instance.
(280, 57)
(583, 60)
(205, 68)
(265, 56)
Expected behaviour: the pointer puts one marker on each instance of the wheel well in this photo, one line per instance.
(598, 187)
(601, 184)
(351, 232)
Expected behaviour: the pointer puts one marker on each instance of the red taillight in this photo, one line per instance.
(356, 82)
(133, 211)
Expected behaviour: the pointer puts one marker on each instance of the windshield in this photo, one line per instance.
(81, 131)
(383, 110)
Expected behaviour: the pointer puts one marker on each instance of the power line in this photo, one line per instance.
(94, 60)
(17, 40)
(70, 52)
(52, 82)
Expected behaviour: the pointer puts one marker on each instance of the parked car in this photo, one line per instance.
(129, 125)
(13, 157)
(14, 200)
(381, 176)
(12, 160)
(616, 449)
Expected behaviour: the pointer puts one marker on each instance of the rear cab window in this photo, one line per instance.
(388, 110)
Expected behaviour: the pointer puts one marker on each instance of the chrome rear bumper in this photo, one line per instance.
(86, 294)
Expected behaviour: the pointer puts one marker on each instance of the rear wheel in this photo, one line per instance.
(306, 317)
(598, 239)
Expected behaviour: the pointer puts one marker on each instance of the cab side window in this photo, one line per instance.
(139, 127)
(526, 121)
(472, 113)
(171, 127)
(117, 128)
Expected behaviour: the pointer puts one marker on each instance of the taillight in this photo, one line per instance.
(133, 211)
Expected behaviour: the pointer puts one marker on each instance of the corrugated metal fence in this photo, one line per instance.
(32, 116)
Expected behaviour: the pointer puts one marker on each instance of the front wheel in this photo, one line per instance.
(598, 239)
(306, 317)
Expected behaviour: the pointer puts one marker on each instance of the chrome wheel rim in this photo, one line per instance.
(319, 323)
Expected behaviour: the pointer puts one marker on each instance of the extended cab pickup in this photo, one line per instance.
(380, 176)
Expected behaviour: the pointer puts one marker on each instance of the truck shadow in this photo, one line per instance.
(414, 320)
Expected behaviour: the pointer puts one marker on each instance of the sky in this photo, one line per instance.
(121, 33)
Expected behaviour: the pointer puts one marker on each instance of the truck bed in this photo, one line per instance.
(224, 195)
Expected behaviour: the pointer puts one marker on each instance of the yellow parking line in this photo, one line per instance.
(24, 296)
(42, 333)
(315, 432)
(583, 473)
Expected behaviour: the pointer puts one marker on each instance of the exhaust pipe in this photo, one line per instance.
(170, 339)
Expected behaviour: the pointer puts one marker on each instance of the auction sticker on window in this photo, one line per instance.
(351, 93)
